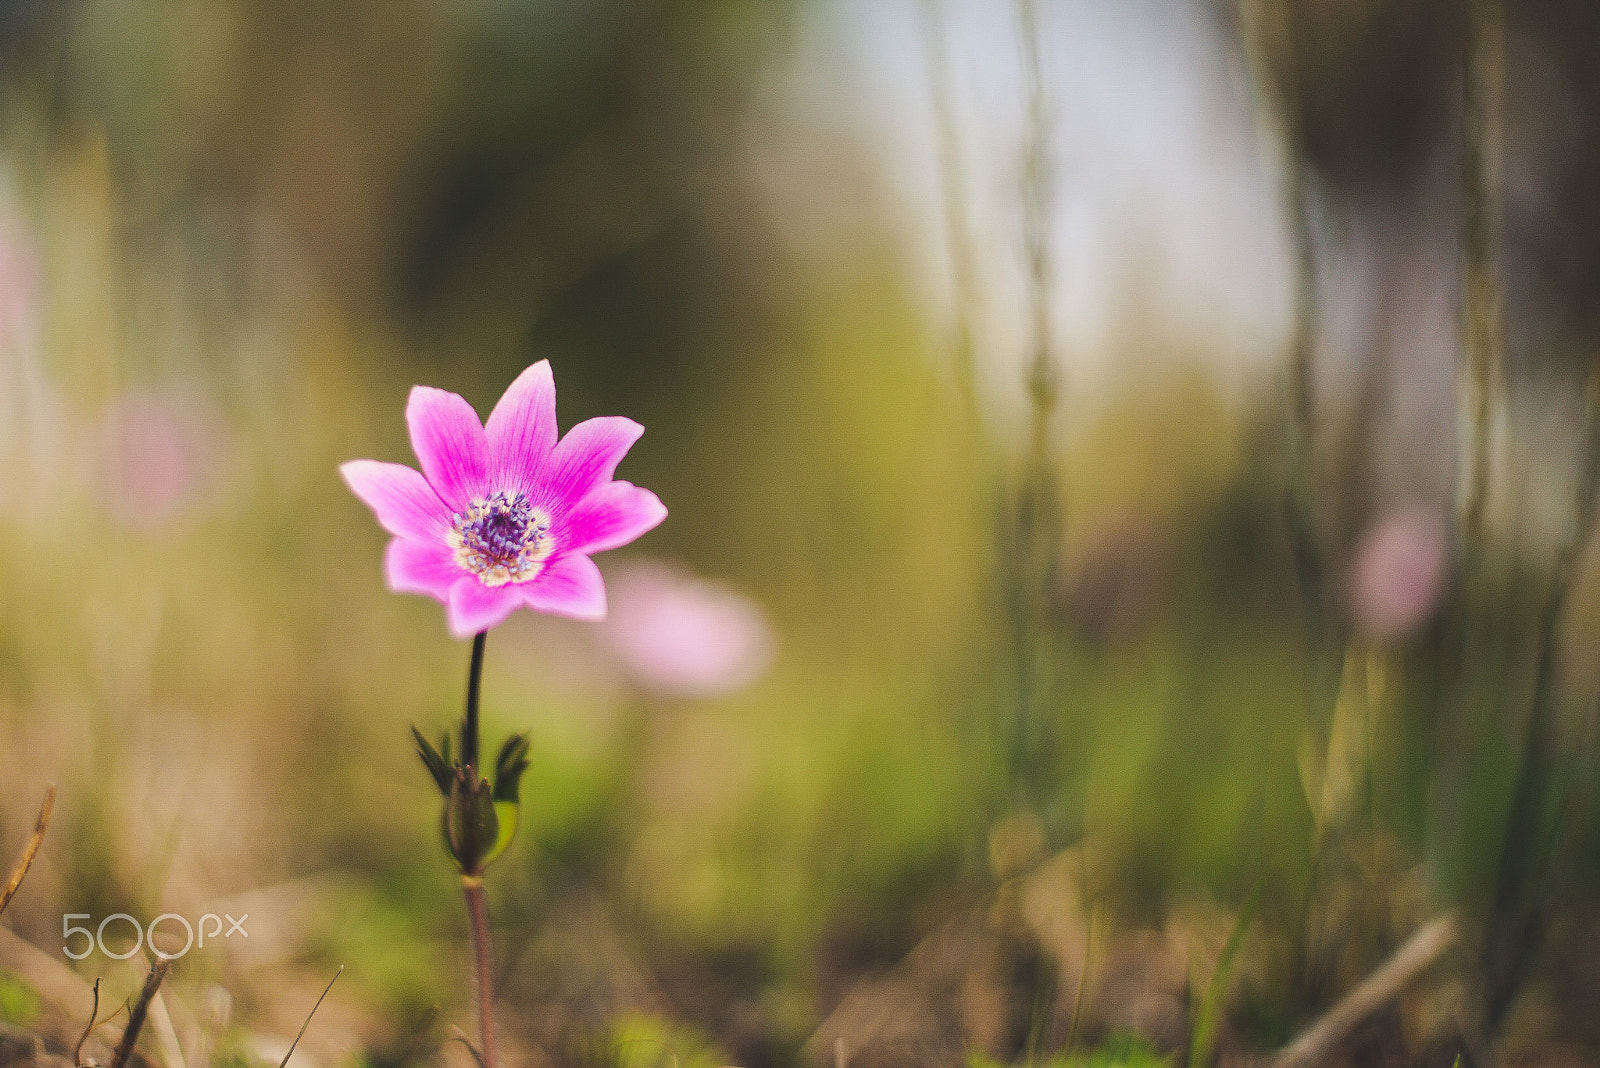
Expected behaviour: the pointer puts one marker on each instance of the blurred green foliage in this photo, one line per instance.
(19, 1003)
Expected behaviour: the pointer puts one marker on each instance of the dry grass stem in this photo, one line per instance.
(25, 861)
(141, 1007)
(313, 1012)
(1419, 952)
(88, 1028)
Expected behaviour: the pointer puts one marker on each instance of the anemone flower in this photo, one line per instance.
(503, 515)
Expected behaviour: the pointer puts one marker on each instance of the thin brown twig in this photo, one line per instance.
(118, 1011)
(1418, 953)
(88, 1028)
(136, 1015)
(25, 861)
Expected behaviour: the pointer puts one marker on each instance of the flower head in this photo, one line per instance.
(503, 515)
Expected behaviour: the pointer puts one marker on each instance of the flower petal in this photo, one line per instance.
(609, 517)
(586, 457)
(475, 607)
(428, 568)
(449, 443)
(521, 430)
(405, 504)
(568, 586)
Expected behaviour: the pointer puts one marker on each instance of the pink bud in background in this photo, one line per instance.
(1399, 571)
(156, 452)
(682, 636)
(19, 280)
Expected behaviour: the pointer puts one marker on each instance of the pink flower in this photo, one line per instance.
(19, 280)
(503, 516)
(1399, 572)
(157, 451)
(682, 636)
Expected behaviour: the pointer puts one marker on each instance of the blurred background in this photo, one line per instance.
(1096, 616)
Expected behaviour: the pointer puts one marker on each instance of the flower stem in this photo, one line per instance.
(469, 726)
(482, 952)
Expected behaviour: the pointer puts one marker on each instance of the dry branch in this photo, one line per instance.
(25, 861)
(1416, 956)
(136, 1015)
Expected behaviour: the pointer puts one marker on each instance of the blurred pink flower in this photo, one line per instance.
(682, 636)
(503, 516)
(1399, 571)
(19, 279)
(156, 451)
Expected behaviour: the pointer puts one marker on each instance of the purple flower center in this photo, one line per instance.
(501, 539)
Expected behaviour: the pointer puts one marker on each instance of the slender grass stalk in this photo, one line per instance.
(1483, 379)
(1534, 829)
(1035, 520)
(1044, 384)
(958, 234)
(1081, 995)
(1040, 1011)
(1540, 806)
(1468, 642)
(483, 959)
(1026, 523)
(1276, 100)
(307, 1021)
(1264, 33)
(1203, 1041)
(1509, 924)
